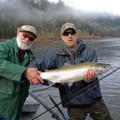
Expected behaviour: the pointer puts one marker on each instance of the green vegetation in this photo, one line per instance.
(48, 17)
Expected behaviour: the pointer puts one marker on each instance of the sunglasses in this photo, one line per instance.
(67, 33)
(26, 36)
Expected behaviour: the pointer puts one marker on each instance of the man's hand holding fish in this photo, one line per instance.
(90, 75)
(33, 75)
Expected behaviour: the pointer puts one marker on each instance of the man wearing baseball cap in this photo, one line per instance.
(73, 51)
(15, 78)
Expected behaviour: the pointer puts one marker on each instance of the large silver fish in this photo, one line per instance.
(74, 73)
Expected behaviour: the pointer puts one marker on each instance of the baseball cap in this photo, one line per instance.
(27, 28)
(67, 26)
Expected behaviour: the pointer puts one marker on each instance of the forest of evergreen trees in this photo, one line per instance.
(48, 17)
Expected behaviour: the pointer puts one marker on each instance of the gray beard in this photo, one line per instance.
(23, 47)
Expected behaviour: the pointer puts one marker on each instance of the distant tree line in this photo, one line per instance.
(48, 17)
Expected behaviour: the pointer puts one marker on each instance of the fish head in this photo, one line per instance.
(101, 68)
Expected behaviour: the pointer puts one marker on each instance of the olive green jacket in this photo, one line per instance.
(13, 88)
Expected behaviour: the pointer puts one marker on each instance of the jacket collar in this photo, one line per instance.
(63, 50)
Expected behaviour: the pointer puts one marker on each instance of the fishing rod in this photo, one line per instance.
(57, 107)
(79, 92)
(54, 115)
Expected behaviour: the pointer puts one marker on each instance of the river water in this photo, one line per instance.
(108, 51)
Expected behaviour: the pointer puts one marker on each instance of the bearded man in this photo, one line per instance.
(15, 77)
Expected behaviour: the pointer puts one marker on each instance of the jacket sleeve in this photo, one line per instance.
(44, 62)
(91, 55)
(9, 69)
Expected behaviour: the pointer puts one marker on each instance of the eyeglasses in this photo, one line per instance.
(26, 36)
(67, 33)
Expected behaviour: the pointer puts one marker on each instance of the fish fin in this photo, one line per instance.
(70, 84)
(66, 65)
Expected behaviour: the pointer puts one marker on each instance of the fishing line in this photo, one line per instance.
(78, 93)
(59, 109)
(54, 115)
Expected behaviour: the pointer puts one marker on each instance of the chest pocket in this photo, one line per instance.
(74, 59)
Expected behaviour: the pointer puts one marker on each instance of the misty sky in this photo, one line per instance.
(109, 6)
